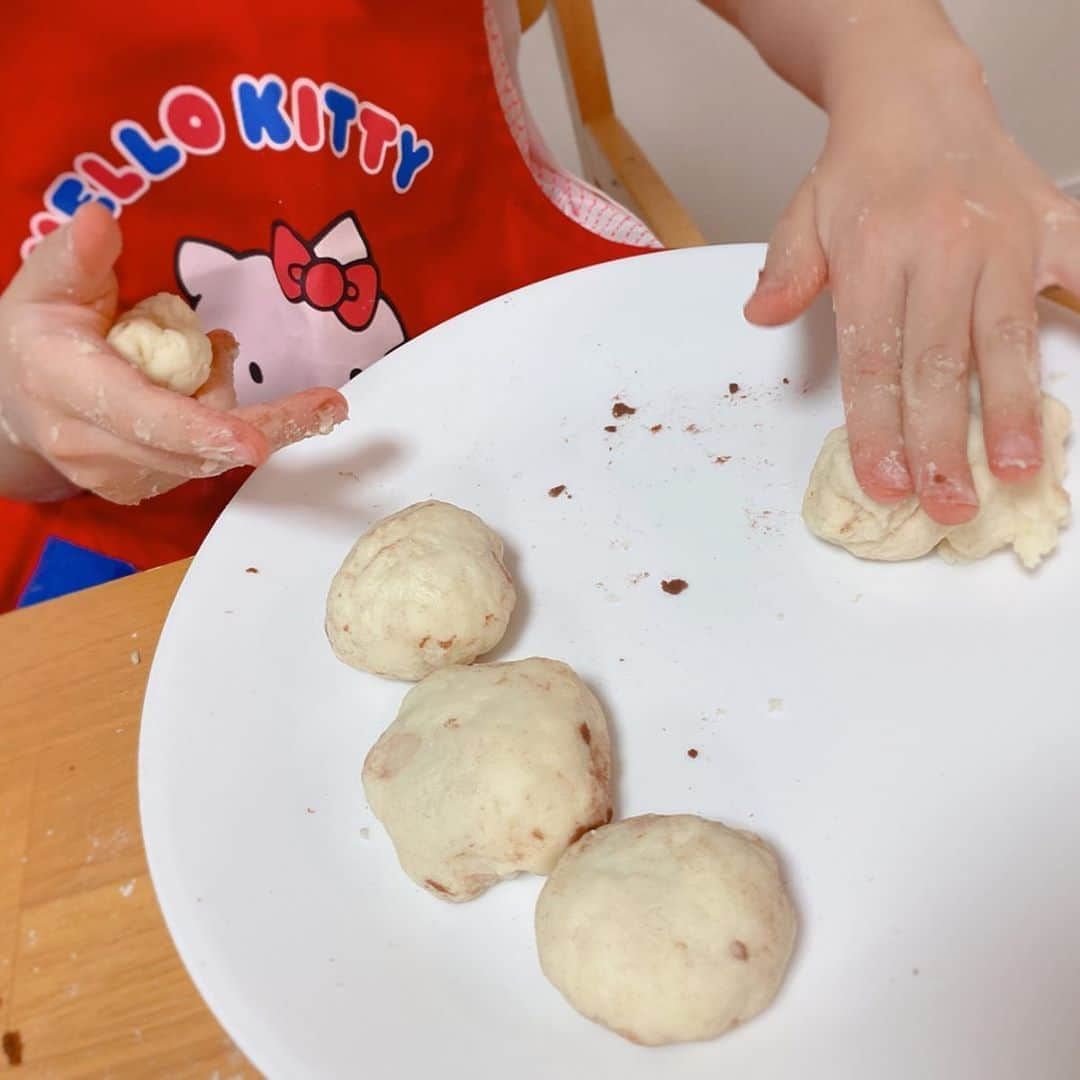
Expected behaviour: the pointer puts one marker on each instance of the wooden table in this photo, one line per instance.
(90, 982)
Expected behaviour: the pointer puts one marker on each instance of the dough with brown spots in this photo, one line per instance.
(489, 771)
(666, 929)
(1027, 516)
(421, 590)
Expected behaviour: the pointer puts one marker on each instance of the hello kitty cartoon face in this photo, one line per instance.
(306, 313)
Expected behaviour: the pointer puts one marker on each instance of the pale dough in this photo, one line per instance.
(488, 771)
(666, 929)
(161, 336)
(1026, 516)
(421, 590)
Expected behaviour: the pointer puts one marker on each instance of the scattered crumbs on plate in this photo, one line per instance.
(656, 427)
(692, 429)
(637, 579)
(309, 810)
(721, 459)
(364, 833)
(135, 656)
(733, 388)
(610, 427)
(622, 659)
(127, 888)
(674, 586)
(13, 1047)
(557, 490)
(775, 704)
(251, 570)
(692, 752)
(621, 409)
(786, 381)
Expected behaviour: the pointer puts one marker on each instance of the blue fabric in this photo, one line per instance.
(66, 568)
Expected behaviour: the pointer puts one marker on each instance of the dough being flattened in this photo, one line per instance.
(1027, 516)
(162, 337)
(489, 771)
(666, 929)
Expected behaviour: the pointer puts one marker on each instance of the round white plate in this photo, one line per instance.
(905, 735)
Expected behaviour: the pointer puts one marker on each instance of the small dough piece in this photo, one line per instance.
(666, 929)
(1026, 516)
(161, 336)
(489, 771)
(423, 589)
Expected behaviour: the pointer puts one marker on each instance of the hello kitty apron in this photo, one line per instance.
(324, 180)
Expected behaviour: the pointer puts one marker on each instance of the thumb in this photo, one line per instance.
(795, 267)
(73, 263)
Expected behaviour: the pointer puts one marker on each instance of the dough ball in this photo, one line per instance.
(666, 929)
(489, 771)
(1026, 516)
(161, 336)
(421, 590)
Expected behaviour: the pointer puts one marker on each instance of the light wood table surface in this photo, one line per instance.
(90, 982)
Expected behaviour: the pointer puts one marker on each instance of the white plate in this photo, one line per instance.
(906, 735)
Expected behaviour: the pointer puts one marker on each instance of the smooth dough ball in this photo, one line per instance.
(421, 590)
(161, 336)
(489, 771)
(666, 929)
(1026, 516)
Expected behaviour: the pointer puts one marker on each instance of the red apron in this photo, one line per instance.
(323, 179)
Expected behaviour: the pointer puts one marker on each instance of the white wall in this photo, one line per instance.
(678, 73)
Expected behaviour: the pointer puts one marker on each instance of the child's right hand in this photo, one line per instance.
(75, 415)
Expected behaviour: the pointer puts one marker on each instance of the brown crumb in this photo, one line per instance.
(656, 427)
(447, 643)
(610, 427)
(489, 618)
(739, 950)
(13, 1047)
(586, 734)
(620, 409)
(786, 380)
(557, 490)
(450, 722)
(538, 834)
(733, 387)
(691, 753)
(437, 887)
(691, 429)
(252, 570)
(722, 459)
(674, 586)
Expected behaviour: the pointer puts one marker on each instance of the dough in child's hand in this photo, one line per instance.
(666, 929)
(420, 590)
(161, 336)
(1027, 516)
(488, 771)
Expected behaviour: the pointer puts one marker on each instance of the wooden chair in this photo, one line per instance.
(611, 158)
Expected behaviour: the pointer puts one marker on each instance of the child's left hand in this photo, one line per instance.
(934, 232)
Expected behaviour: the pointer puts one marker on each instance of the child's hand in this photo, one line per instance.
(935, 232)
(74, 415)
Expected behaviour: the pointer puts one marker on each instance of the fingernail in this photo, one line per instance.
(1016, 451)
